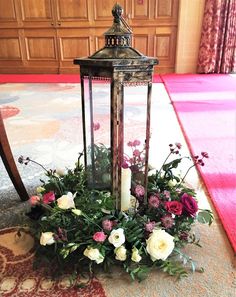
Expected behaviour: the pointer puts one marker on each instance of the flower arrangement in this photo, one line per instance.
(79, 228)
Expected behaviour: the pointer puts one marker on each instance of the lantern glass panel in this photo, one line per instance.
(98, 135)
(135, 118)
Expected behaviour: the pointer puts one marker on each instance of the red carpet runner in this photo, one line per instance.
(49, 78)
(206, 109)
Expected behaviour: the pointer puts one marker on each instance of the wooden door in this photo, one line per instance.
(38, 36)
(73, 33)
(44, 36)
(154, 24)
(10, 43)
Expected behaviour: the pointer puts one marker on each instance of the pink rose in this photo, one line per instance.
(107, 225)
(49, 197)
(34, 200)
(139, 191)
(154, 201)
(189, 204)
(174, 207)
(99, 236)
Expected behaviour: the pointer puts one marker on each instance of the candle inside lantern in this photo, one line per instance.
(125, 188)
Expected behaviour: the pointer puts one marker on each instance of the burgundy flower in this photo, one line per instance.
(61, 235)
(167, 221)
(183, 236)
(150, 226)
(178, 145)
(125, 165)
(139, 191)
(174, 207)
(49, 197)
(189, 204)
(154, 201)
(205, 154)
(107, 225)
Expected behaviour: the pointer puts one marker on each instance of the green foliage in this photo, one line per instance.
(205, 216)
(80, 226)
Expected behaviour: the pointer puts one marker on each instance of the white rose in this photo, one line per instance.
(120, 253)
(40, 190)
(60, 171)
(66, 201)
(117, 237)
(46, 238)
(172, 183)
(135, 255)
(94, 255)
(77, 212)
(160, 245)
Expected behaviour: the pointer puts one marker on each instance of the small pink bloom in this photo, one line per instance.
(139, 191)
(130, 143)
(49, 197)
(34, 200)
(150, 226)
(99, 236)
(136, 142)
(179, 145)
(167, 221)
(167, 194)
(107, 225)
(154, 201)
(96, 126)
(136, 153)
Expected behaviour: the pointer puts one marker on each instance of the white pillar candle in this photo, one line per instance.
(125, 188)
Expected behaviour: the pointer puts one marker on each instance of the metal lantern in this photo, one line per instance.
(114, 151)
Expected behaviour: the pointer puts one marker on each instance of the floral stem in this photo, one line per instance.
(182, 180)
(158, 172)
(39, 165)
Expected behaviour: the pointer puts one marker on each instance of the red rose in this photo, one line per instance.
(174, 207)
(189, 204)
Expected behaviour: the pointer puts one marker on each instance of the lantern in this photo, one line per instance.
(114, 115)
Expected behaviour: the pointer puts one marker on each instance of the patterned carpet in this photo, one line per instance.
(19, 279)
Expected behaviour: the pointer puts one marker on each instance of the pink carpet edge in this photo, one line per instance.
(232, 240)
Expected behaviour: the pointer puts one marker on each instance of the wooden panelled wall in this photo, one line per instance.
(44, 36)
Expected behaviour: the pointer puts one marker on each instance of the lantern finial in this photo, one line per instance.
(117, 11)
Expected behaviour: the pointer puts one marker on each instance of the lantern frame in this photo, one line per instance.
(122, 65)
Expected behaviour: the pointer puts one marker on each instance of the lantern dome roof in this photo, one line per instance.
(118, 40)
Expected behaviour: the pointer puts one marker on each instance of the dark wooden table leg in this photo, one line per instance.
(8, 161)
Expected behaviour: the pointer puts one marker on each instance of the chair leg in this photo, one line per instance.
(8, 160)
